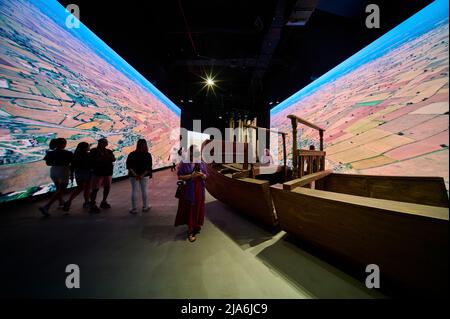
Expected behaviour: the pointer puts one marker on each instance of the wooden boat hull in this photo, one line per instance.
(248, 196)
(408, 241)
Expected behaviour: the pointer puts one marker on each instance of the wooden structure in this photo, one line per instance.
(306, 161)
(247, 196)
(399, 223)
(283, 136)
(233, 184)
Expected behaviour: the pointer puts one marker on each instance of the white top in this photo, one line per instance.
(266, 159)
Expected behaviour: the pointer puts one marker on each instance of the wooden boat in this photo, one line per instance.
(399, 223)
(246, 195)
(235, 184)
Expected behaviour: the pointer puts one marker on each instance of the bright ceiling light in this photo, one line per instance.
(209, 83)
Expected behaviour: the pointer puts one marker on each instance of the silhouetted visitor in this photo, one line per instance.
(191, 205)
(82, 171)
(174, 158)
(267, 158)
(139, 165)
(52, 147)
(102, 160)
(59, 159)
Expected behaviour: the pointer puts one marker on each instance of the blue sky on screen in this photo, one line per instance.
(434, 14)
(58, 13)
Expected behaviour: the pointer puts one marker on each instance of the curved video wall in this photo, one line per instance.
(385, 109)
(57, 81)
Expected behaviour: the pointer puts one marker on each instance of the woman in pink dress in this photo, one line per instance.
(191, 205)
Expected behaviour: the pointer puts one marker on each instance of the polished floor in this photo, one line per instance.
(145, 256)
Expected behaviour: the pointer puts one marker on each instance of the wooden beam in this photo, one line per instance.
(310, 153)
(305, 122)
(230, 167)
(321, 139)
(243, 174)
(284, 157)
(294, 147)
(265, 129)
(427, 211)
(308, 179)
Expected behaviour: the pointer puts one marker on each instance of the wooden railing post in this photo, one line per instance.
(283, 135)
(322, 159)
(294, 148)
(321, 139)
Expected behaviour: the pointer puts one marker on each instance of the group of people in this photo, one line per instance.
(93, 169)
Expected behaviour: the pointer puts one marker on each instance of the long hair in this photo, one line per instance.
(82, 149)
(52, 144)
(141, 146)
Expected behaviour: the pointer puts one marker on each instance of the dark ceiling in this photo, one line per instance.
(245, 44)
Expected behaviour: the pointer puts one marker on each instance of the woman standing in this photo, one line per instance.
(82, 171)
(51, 148)
(139, 165)
(191, 206)
(59, 160)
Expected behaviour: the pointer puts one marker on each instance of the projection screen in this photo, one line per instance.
(57, 81)
(385, 109)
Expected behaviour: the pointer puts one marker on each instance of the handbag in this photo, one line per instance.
(180, 186)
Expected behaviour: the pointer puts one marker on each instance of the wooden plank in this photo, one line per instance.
(232, 167)
(299, 182)
(310, 153)
(265, 129)
(284, 157)
(295, 164)
(247, 196)
(321, 140)
(411, 189)
(242, 174)
(269, 169)
(305, 122)
(409, 243)
(382, 204)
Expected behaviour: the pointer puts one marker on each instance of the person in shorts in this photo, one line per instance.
(59, 159)
(102, 162)
(81, 170)
(51, 148)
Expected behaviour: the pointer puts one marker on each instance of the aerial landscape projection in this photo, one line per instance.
(57, 81)
(385, 109)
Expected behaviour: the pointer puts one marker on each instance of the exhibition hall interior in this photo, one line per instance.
(223, 149)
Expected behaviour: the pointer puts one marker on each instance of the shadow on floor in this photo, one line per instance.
(241, 230)
(161, 234)
(311, 274)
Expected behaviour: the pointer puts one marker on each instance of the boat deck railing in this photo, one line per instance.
(310, 162)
